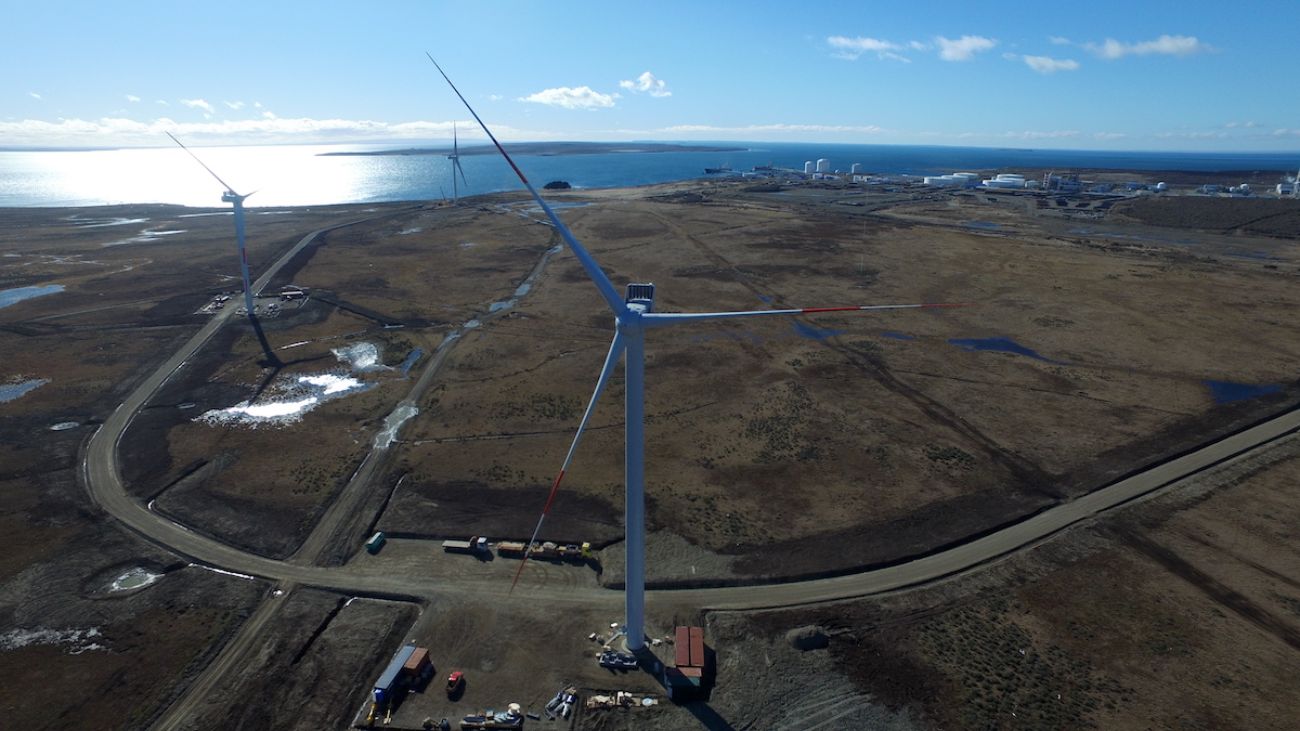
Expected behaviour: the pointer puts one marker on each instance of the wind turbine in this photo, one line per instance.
(455, 166)
(237, 200)
(633, 315)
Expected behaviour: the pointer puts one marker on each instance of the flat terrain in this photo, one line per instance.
(1101, 338)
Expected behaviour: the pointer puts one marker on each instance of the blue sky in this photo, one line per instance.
(1097, 75)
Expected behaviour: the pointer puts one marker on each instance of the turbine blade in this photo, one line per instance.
(655, 319)
(594, 271)
(462, 172)
(611, 360)
(224, 184)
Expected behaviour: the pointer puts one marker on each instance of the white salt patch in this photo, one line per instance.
(216, 570)
(409, 231)
(76, 640)
(302, 395)
(393, 424)
(360, 356)
(65, 425)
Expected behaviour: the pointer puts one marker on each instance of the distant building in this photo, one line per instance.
(808, 168)
(855, 168)
(952, 180)
(1005, 180)
(823, 165)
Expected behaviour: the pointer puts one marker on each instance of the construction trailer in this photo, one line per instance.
(376, 542)
(409, 667)
(690, 675)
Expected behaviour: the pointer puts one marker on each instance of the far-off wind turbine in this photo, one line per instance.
(633, 315)
(237, 200)
(455, 166)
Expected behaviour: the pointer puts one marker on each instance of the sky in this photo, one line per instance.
(1190, 75)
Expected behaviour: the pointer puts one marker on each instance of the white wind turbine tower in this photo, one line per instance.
(237, 200)
(633, 315)
(455, 166)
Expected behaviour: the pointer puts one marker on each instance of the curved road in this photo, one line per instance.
(104, 482)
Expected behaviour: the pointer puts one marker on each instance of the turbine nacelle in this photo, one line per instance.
(641, 296)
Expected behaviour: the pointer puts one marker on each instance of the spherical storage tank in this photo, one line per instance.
(808, 168)
(823, 165)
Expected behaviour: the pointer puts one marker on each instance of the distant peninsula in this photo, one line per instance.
(548, 148)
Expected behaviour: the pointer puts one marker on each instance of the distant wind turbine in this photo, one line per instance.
(237, 200)
(633, 315)
(455, 166)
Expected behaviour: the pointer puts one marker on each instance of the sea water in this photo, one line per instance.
(285, 175)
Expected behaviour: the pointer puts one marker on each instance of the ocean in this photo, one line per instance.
(298, 175)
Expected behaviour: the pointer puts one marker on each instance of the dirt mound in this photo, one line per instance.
(808, 637)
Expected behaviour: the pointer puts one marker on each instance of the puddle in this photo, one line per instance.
(146, 236)
(393, 424)
(292, 400)
(523, 289)
(897, 335)
(765, 299)
(80, 222)
(1000, 345)
(136, 578)
(65, 425)
(18, 294)
(467, 244)
(18, 389)
(76, 640)
(1225, 392)
(201, 215)
(814, 333)
(409, 231)
(360, 357)
(499, 306)
(470, 325)
(411, 359)
(989, 225)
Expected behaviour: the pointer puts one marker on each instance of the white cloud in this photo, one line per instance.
(579, 97)
(132, 98)
(1108, 135)
(234, 105)
(197, 104)
(696, 128)
(495, 97)
(1048, 65)
(1043, 135)
(1165, 45)
(964, 48)
(269, 129)
(850, 49)
(647, 83)
(268, 114)
(162, 102)
(34, 95)
(1244, 125)
(257, 105)
(1059, 41)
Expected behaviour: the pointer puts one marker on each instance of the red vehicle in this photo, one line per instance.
(455, 682)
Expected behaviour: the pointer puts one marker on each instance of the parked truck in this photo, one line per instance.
(475, 545)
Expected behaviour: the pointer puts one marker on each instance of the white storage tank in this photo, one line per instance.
(808, 168)
(856, 168)
(823, 165)
(1162, 187)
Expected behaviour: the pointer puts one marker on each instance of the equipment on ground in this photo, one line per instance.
(455, 682)
(237, 201)
(475, 545)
